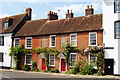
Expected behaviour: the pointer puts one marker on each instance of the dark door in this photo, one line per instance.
(43, 64)
(1, 57)
(63, 65)
(109, 66)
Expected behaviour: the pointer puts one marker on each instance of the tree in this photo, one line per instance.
(46, 52)
(17, 53)
(67, 50)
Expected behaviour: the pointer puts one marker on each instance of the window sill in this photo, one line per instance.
(52, 46)
(28, 48)
(92, 45)
(52, 65)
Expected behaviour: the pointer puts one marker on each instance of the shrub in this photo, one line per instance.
(34, 65)
(87, 69)
(55, 70)
(45, 71)
(26, 68)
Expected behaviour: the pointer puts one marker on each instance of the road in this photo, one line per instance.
(38, 76)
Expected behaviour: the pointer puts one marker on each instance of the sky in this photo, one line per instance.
(40, 8)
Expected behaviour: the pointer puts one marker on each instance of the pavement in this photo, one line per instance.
(61, 75)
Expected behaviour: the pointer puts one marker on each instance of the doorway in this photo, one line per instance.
(109, 66)
(43, 64)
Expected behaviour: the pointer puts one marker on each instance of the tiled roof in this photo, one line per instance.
(15, 21)
(76, 24)
(31, 28)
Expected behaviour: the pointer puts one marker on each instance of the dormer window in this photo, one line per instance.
(6, 24)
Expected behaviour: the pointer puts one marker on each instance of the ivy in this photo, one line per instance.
(46, 52)
(68, 48)
(17, 53)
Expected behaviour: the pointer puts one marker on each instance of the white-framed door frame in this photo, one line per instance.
(61, 66)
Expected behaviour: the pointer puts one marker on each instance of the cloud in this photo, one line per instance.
(76, 8)
(51, 0)
(10, 4)
(4, 15)
(33, 16)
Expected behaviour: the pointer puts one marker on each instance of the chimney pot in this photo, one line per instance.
(69, 15)
(89, 11)
(67, 11)
(90, 6)
(52, 16)
(28, 12)
(87, 6)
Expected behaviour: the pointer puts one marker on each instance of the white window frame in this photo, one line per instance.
(90, 62)
(51, 41)
(31, 59)
(26, 42)
(89, 38)
(73, 40)
(50, 60)
(70, 58)
(6, 24)
(15, 43)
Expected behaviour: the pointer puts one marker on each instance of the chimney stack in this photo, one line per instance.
(52, 16)
(89, 10)
(69, 14)
(29, 13)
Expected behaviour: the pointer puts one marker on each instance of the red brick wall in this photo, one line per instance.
(82, 42)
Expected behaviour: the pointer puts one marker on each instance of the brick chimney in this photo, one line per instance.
(69, 15)
(89, 10)
(29, 13)
(52, 16)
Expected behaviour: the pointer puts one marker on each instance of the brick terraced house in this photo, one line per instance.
(8, 28)
(53, 33)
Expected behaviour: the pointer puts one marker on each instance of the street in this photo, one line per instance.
(38, 76)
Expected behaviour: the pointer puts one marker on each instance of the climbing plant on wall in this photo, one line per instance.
(17, 53)
(46, 52)
(68, 48)
(97, 51)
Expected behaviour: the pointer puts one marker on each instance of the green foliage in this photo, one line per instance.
(55, 70)
(45, 71)
(99, 53)
(67, 50)
(17, 52)
(87, 69)
(34, 65)
(26, 68)
(46, 52)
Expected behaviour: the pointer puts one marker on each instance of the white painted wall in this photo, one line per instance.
(109, 17)
(6, 49)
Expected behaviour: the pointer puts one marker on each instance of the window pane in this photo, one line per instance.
(51, 60)
(29, 43)
(117, 29)
(1, 40)
(6, 24)
(117, 6)
(72, 59)
(29, 59)
(16, 42)
(93, 60)
(92, 38)
(52, 41)
(73, 40)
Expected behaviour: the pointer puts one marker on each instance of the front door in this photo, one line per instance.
(63, 65)
(43, 64)
(109, 66)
